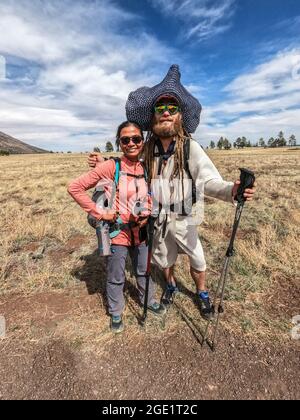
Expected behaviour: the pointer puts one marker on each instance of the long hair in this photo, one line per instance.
(149, 147)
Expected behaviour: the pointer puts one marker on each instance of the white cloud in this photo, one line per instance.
(84, 69)
(259, 103)
(56, 30)
(203, 19)
(275, 77)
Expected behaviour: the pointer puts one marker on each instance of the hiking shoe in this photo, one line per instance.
(116, 324)
(157, 308)
(206, 309)
(169, 293)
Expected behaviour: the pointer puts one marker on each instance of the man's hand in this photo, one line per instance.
(142, 222)
(248, 193)
(94, 158)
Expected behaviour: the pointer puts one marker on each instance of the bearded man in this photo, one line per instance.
(180, 173)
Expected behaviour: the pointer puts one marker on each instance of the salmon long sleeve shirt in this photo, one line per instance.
(131, 191)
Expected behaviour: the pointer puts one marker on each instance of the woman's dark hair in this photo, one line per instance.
(120, 128)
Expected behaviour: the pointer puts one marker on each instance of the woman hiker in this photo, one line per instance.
(131, 206)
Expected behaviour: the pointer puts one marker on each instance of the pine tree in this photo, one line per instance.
(244, 142)
(280, 141)
(292, 141)
(109, 147)
(237, 143)
(226, 144)
(212, 145)
(261, 142)
(220, 144)
(271, 142)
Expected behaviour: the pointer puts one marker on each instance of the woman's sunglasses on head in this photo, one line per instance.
(134, 139)
(171, 108)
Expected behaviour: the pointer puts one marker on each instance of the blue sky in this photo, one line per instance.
(70, 66)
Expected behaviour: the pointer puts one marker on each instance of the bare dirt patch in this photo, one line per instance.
(241, 234)
(73, 244)
(44, 309)
(169, 366)
(284, 297)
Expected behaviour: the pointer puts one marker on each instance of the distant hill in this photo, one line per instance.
(14, 146)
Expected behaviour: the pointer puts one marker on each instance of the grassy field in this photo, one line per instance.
(48, 249)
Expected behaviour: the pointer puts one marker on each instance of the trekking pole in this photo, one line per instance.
(151, 222)
(247, 179)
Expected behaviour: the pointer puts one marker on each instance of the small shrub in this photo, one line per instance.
(4, 153)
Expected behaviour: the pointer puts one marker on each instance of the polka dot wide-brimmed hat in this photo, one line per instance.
(140, 103)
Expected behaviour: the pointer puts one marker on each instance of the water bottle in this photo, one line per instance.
(104, 242)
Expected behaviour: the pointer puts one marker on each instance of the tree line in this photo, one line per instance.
(242, 142)
(108, 148)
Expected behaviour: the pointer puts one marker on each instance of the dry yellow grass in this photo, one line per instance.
(44, 237)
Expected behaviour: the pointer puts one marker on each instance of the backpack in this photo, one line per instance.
(99, 192)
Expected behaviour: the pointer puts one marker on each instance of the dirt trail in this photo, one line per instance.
(137, 365)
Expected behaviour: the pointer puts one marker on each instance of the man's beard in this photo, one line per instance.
(165, 132)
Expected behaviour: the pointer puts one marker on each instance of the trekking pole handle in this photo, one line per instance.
(247, 179)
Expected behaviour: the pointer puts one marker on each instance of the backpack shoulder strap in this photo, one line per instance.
(186, 155)
(118, 168)
(158, 149)
(145, 171)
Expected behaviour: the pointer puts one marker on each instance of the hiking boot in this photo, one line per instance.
(206, 309)
(157, 309)
(169, 293)
(116, 324)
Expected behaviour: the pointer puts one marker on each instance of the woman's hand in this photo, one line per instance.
(94, 158)
(109, 216)
(248, 193)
